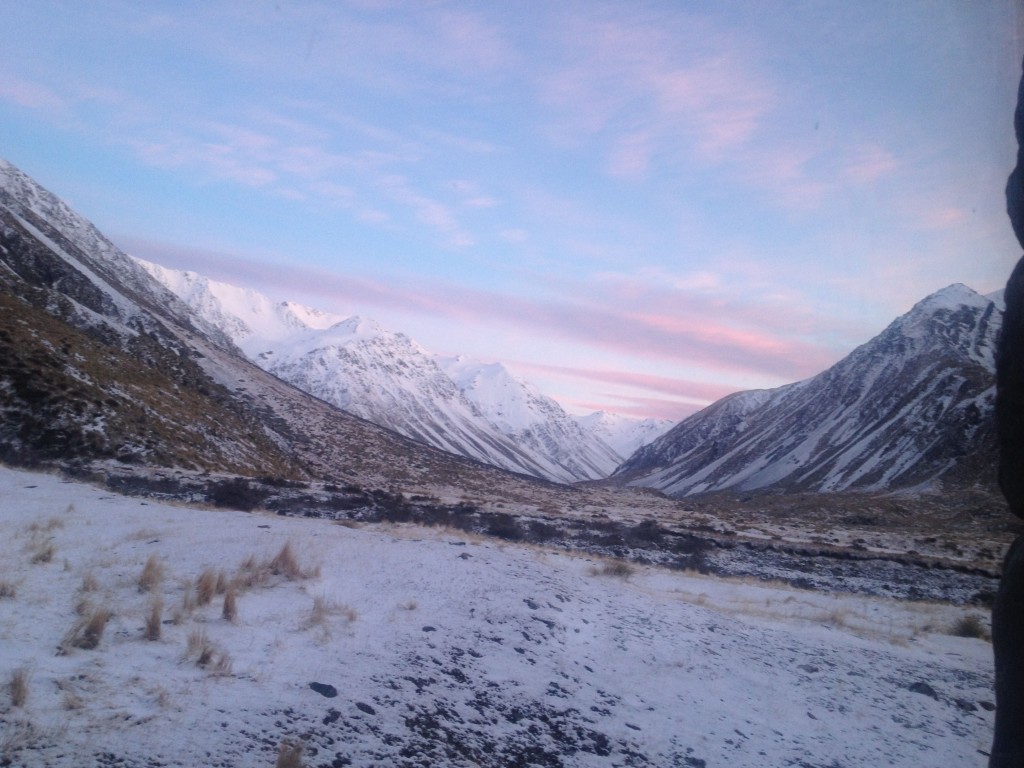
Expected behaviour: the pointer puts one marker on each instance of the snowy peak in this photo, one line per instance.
(455, 404)
(623, 434)
(910, 408)
(246, 316)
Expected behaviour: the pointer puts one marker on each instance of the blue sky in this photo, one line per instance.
(638, 206)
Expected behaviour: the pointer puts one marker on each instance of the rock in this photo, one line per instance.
(365, 708)
(924, 688)
(324, 689)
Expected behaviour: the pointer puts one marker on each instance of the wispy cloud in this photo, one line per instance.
(26, 93)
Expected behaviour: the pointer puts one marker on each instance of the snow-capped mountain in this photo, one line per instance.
(533, 421)
(625, 435)
(455, 404)
(100, 363)
(911, 407)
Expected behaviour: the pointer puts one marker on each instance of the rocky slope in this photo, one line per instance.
(99, 362)
(910, 408)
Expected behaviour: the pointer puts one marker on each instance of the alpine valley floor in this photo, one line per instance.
(434, 647)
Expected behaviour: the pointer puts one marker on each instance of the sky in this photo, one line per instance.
(639, 207)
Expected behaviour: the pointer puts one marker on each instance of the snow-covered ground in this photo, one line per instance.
(446, 649)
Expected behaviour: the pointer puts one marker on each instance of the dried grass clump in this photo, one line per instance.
(43, 553)
(8, 590)
(206, 587)
(18, 687)
(89, 583)
(152, 574)
(285, 563)
(323, 609)
(253, 572)
(87, 632)
(616, 568)
(206, 654)
(970, 625)
(154, 621)
(289, 754)
(230, 609)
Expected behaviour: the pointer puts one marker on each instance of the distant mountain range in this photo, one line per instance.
(912, 408)
(101, 361)
(456, 404)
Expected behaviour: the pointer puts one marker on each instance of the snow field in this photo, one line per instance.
(447, 649)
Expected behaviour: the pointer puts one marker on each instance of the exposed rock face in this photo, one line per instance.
(909, 408)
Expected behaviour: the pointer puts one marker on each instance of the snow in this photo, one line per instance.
(448, 649)
(623, 434)
(459, 405)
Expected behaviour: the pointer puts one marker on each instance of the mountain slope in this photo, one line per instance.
(624, 435)
(454, 404)
(909, 408)
(100, 362)
(532, 420)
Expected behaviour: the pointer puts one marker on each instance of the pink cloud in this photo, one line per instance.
(694, 390)
(700, 334)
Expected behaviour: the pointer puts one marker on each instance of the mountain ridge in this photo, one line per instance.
(909, 408)
(468, 407)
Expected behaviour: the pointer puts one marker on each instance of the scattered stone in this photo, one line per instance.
(810, 669)
(324, 689)
(429, 628)
(365, 708)
(924, 688)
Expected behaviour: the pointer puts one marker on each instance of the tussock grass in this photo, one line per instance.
(88, 631)
(154, 621)
(206, 586)
(229, 612)
(18, 687)
(206, 654)
(289, 754)
(89, 583)
(323, 609)
(152, 574)
(254, 572)
(184, 609)
(616, 568)
(43, 553)
(970, 625)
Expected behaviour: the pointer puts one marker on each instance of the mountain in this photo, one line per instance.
(458, 405)
(910, 408)
(624, 435)
(100, 363)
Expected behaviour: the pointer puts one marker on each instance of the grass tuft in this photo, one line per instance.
(152, 574)
(8, 590)
(230, 610)
(206, 587)
(18, 687)
(616, 568)
(154, 621)
(87, 632)
(970, 625)
(289, 754)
